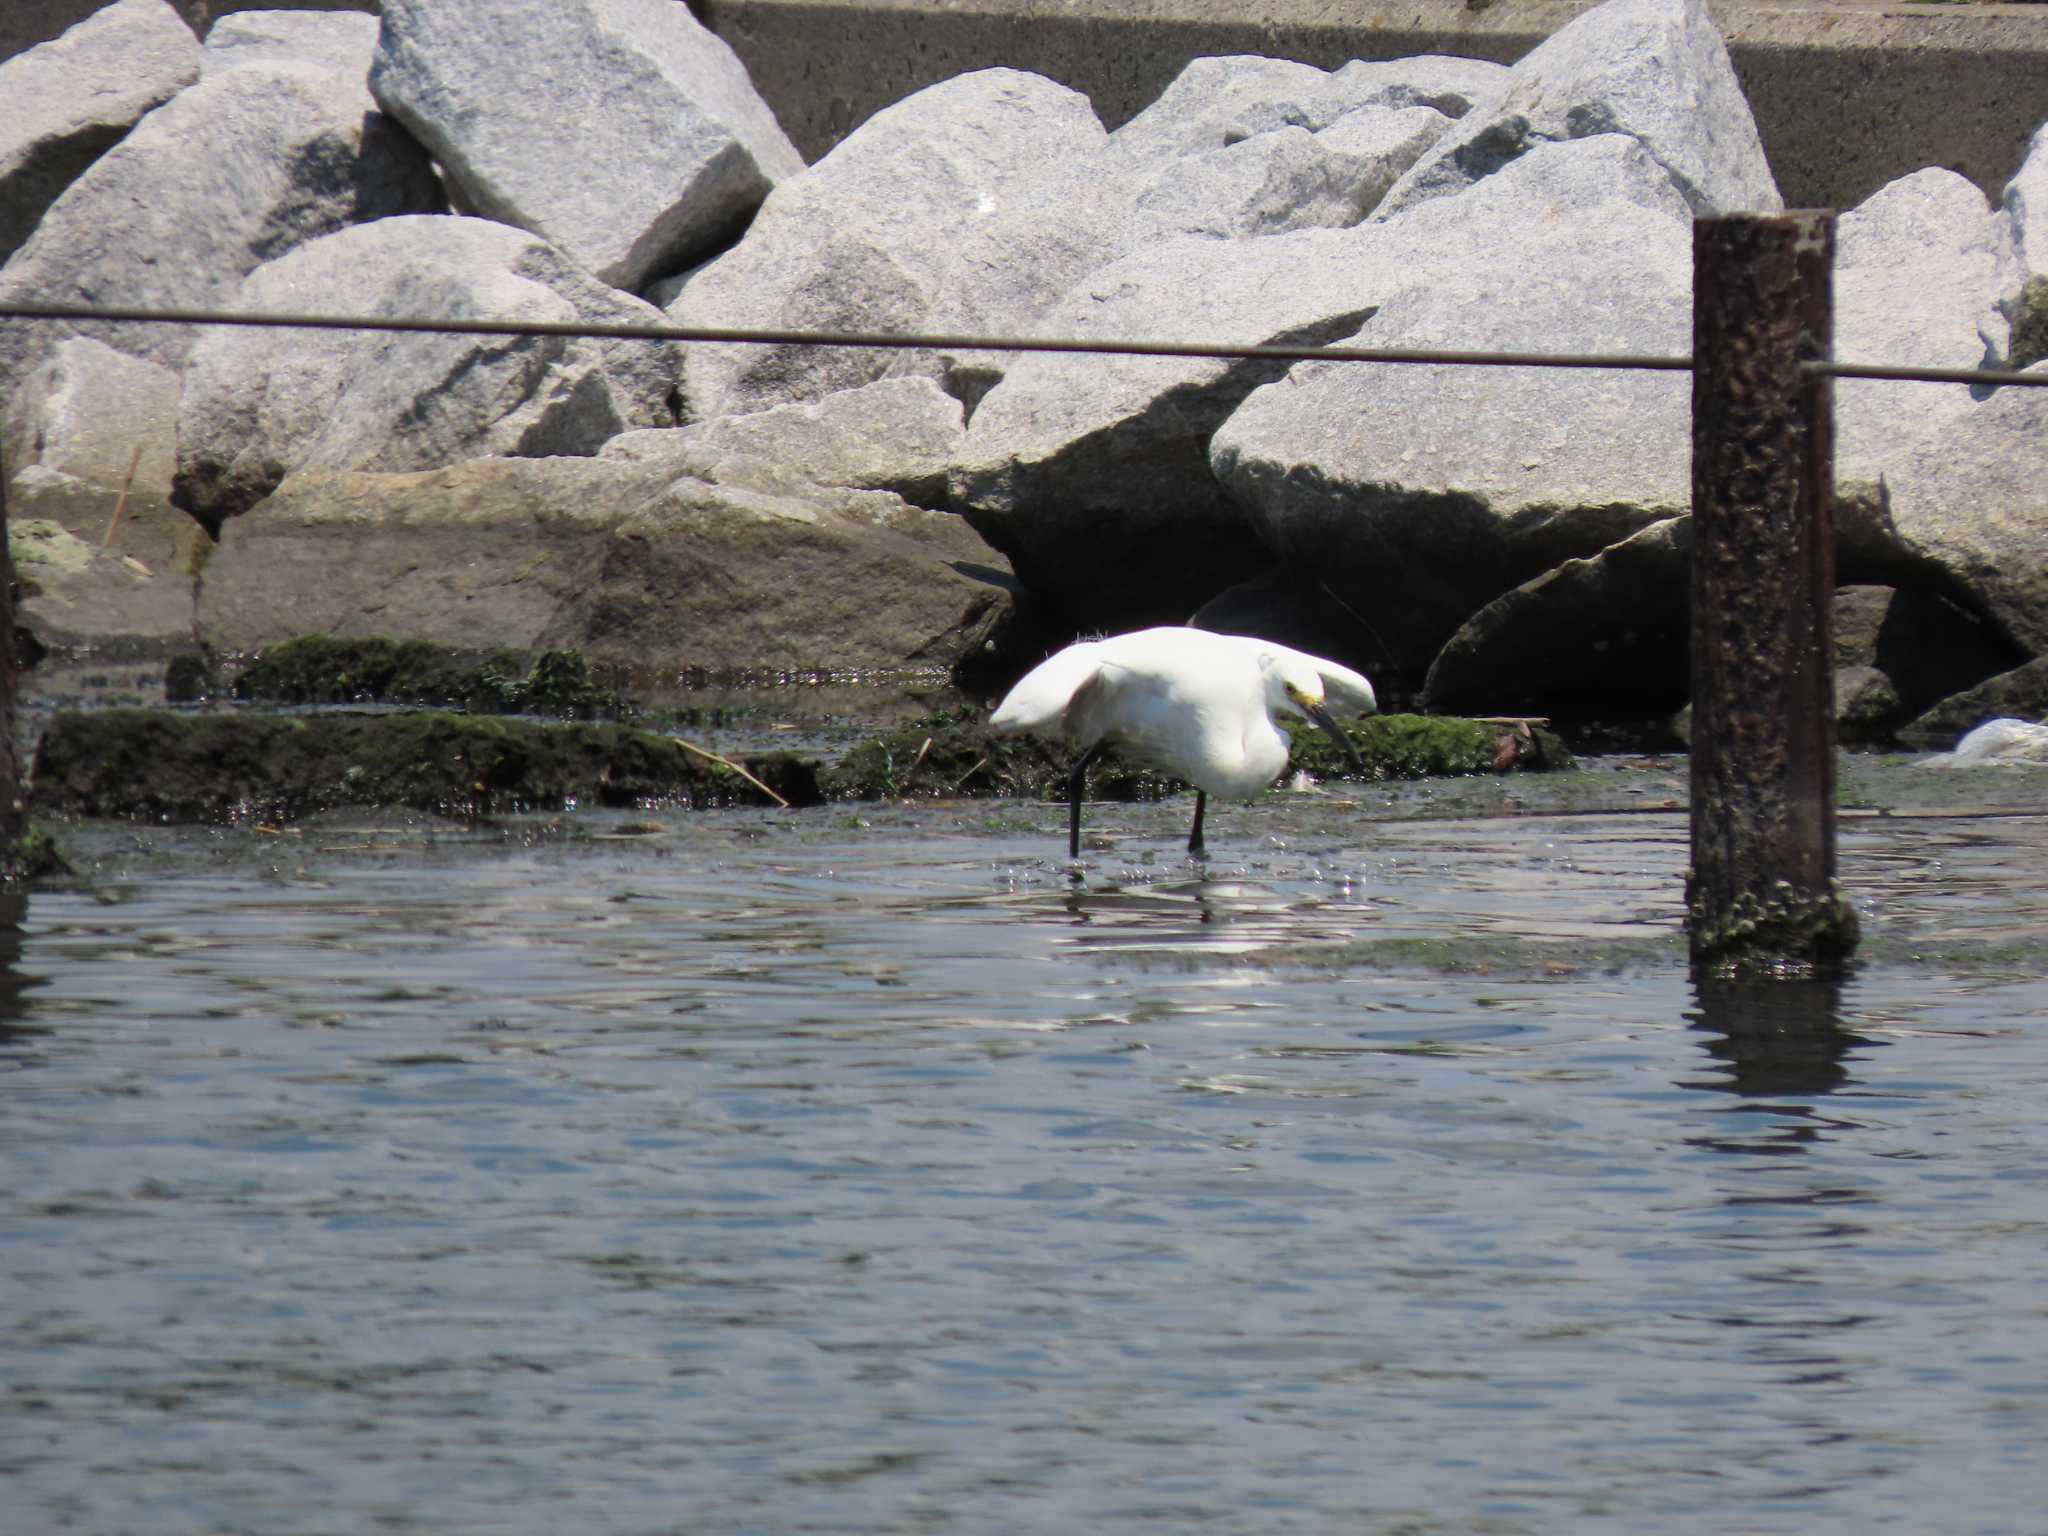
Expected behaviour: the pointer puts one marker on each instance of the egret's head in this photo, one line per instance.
(1297, 689)
(1305, 696)
(1292, 688)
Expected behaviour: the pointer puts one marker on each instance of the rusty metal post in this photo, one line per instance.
(1762, 889)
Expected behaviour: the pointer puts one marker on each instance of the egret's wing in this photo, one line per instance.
(1042, 697)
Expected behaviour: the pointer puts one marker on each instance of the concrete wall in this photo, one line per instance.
(1849, 94)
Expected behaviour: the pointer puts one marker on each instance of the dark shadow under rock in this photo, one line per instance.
(1608, 638)
(1931, 647)
(1595, 639)
(1302, 612)
(2021, 694)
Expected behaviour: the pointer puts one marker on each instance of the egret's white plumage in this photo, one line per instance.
(1194, 703)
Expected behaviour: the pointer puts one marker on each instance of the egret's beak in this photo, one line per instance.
(1320, 713)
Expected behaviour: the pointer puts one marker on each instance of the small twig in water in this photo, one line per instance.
(736, 768)
(970, 773)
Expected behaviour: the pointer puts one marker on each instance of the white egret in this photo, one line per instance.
(1194, 703)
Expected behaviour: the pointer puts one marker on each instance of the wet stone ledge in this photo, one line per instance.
(161, 766)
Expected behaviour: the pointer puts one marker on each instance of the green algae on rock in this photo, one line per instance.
(162, 766)
(328, 669)
(32, 857)
(2030, 324)
(1428, 746)
(946, 756)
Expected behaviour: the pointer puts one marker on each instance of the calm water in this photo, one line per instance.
(861, 1172)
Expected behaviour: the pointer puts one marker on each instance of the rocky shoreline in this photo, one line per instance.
(1507, 543)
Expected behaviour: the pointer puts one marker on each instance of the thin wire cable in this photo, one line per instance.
(1622, 361)
(869, 339)
(1927, 375)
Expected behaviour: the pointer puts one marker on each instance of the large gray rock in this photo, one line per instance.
(1415, 493)
(1220, 101)
(966, 207)
(253, 412)
(1922, 270)
(1383, 142)
(760, 575)
(621, 131)
(476, 555)
(1090, 472)
(1281, 179)
(2025, 207)
(896, 435)
(77, 596)
(345, 41)
(1655, 70)
(1443, 82)
(106, 561)
(1551, 184)
(1972, 495)
(86, 411)
(232, 172)
(69, 101)
(1216, 102)
(1268, 184)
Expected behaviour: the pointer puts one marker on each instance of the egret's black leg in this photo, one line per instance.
(1074, 786)
(1195, 848)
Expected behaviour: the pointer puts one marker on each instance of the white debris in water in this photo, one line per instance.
(1998, 741)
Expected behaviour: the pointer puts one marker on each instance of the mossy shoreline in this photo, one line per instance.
(323, 722)
(326, 669)
(165, 765)
(162, 766)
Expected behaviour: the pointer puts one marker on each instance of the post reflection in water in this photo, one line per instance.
(13, 914)
(1775, 1035)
